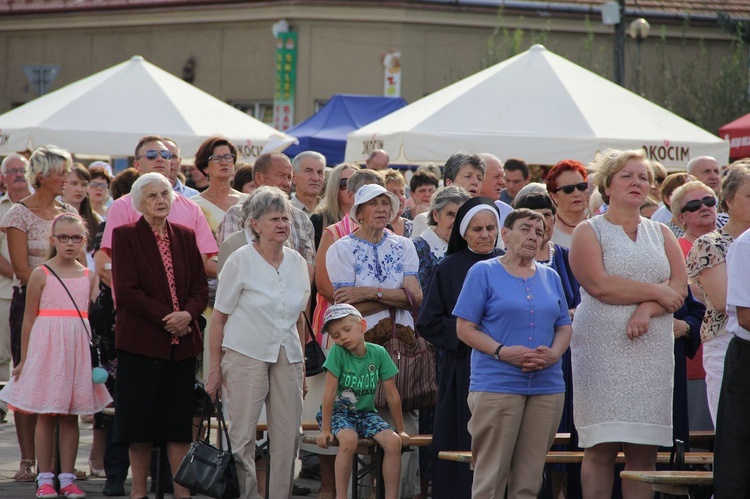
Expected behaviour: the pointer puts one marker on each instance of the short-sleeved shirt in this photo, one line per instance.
(738, 283)
(38, 231)
(6, 283)
(263, 303)
(359, 376)
(708, 251)
(183, 212)
(352, 261)
(513, 311)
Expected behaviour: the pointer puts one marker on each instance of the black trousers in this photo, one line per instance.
(732, 452)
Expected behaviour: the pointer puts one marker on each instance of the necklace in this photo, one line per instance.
(524, 282)
(560, 219)
(551, 250)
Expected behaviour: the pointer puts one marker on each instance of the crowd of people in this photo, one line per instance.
(607, 301)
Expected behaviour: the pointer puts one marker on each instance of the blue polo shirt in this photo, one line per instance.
(513, 311)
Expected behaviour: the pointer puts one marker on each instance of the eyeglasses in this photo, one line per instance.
(216, 158)
(695, 204)
(568, 189)
(16, 171)
(64, 238)
(99, 185)
(342, 184)
(153, 153)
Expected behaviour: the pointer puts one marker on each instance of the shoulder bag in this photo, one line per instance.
(314, 356)
(415, 359)
(207, 470)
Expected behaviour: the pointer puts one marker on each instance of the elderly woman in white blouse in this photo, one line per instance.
(255, 342)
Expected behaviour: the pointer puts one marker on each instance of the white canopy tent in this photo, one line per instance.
(108, 112)
(537, 106)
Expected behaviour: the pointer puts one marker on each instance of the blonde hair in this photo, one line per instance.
(391, 176)
(45, 161)
(677, 200)
(607, 164)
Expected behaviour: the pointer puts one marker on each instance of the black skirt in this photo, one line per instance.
(154, 400)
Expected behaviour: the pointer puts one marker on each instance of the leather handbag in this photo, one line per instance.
(415, 359)
(314, 355)
(207, 470)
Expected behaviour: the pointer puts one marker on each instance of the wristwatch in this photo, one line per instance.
(380, 294)
(497, 351)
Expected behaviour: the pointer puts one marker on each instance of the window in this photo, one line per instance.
(260, 110)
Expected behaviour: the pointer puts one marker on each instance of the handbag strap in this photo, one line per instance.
(219, 417)
(309, 326)
(71, 299)
(414, 307)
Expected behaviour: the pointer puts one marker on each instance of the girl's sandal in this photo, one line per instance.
(26, 472)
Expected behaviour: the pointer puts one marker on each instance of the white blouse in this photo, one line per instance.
(263, 304)
(352, 261)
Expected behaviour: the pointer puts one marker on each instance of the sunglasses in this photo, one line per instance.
(660, 180)
(695, 204)
(153, 153)
(568, 189)
(342, 184)
(64, 238)
(216, 158)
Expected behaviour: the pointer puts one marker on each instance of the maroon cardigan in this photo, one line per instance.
(142, 291)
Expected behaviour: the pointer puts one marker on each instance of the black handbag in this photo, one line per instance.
(207, 470)
(314, 356)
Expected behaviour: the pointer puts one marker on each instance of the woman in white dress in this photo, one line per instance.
(633, 278)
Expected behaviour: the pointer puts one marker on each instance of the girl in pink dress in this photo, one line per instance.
(54, 377)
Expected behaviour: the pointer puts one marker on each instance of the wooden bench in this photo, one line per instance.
(697, 458)
(678, 483)
(361, 467)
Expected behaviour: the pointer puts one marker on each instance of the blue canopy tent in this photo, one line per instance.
(325, 131)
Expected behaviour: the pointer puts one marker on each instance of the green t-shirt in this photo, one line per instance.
(358, 376)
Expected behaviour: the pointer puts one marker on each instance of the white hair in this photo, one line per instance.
(10, 157)
(307, 154)
(691, 164)
(136, 192)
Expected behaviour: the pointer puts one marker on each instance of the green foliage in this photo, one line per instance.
(709, 88)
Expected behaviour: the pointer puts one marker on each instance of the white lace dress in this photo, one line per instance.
(622, 389)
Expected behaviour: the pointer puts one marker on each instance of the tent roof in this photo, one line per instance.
(737, 132)
(108, 112)
(326, 130)
(537, 106)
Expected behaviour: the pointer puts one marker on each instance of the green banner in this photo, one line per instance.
(286, 81)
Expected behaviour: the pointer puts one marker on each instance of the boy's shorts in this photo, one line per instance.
(366, 424)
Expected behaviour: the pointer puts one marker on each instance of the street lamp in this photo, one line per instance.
(638, 30)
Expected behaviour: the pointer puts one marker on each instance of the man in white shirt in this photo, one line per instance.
(308, 175)
(732, 451)
(13, 169)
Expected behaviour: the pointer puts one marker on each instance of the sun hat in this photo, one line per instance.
(339, 311)
(371, 191)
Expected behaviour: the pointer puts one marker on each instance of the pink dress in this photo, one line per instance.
(56, 377)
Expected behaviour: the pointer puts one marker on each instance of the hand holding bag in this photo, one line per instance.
(207, 470)
(415, 359)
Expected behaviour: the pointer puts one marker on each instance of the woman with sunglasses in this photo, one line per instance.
(706, 264)
(567, 184)
(694, 208)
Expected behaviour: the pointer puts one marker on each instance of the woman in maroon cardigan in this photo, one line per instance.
(160, 291)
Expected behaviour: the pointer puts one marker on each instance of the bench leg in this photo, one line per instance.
(355, 476)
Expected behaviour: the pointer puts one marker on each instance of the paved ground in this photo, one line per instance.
(10, 456)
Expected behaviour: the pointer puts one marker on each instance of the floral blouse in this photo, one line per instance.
(352, 261)
(709, 251)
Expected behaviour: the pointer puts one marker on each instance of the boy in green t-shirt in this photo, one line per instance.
(348, 409)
